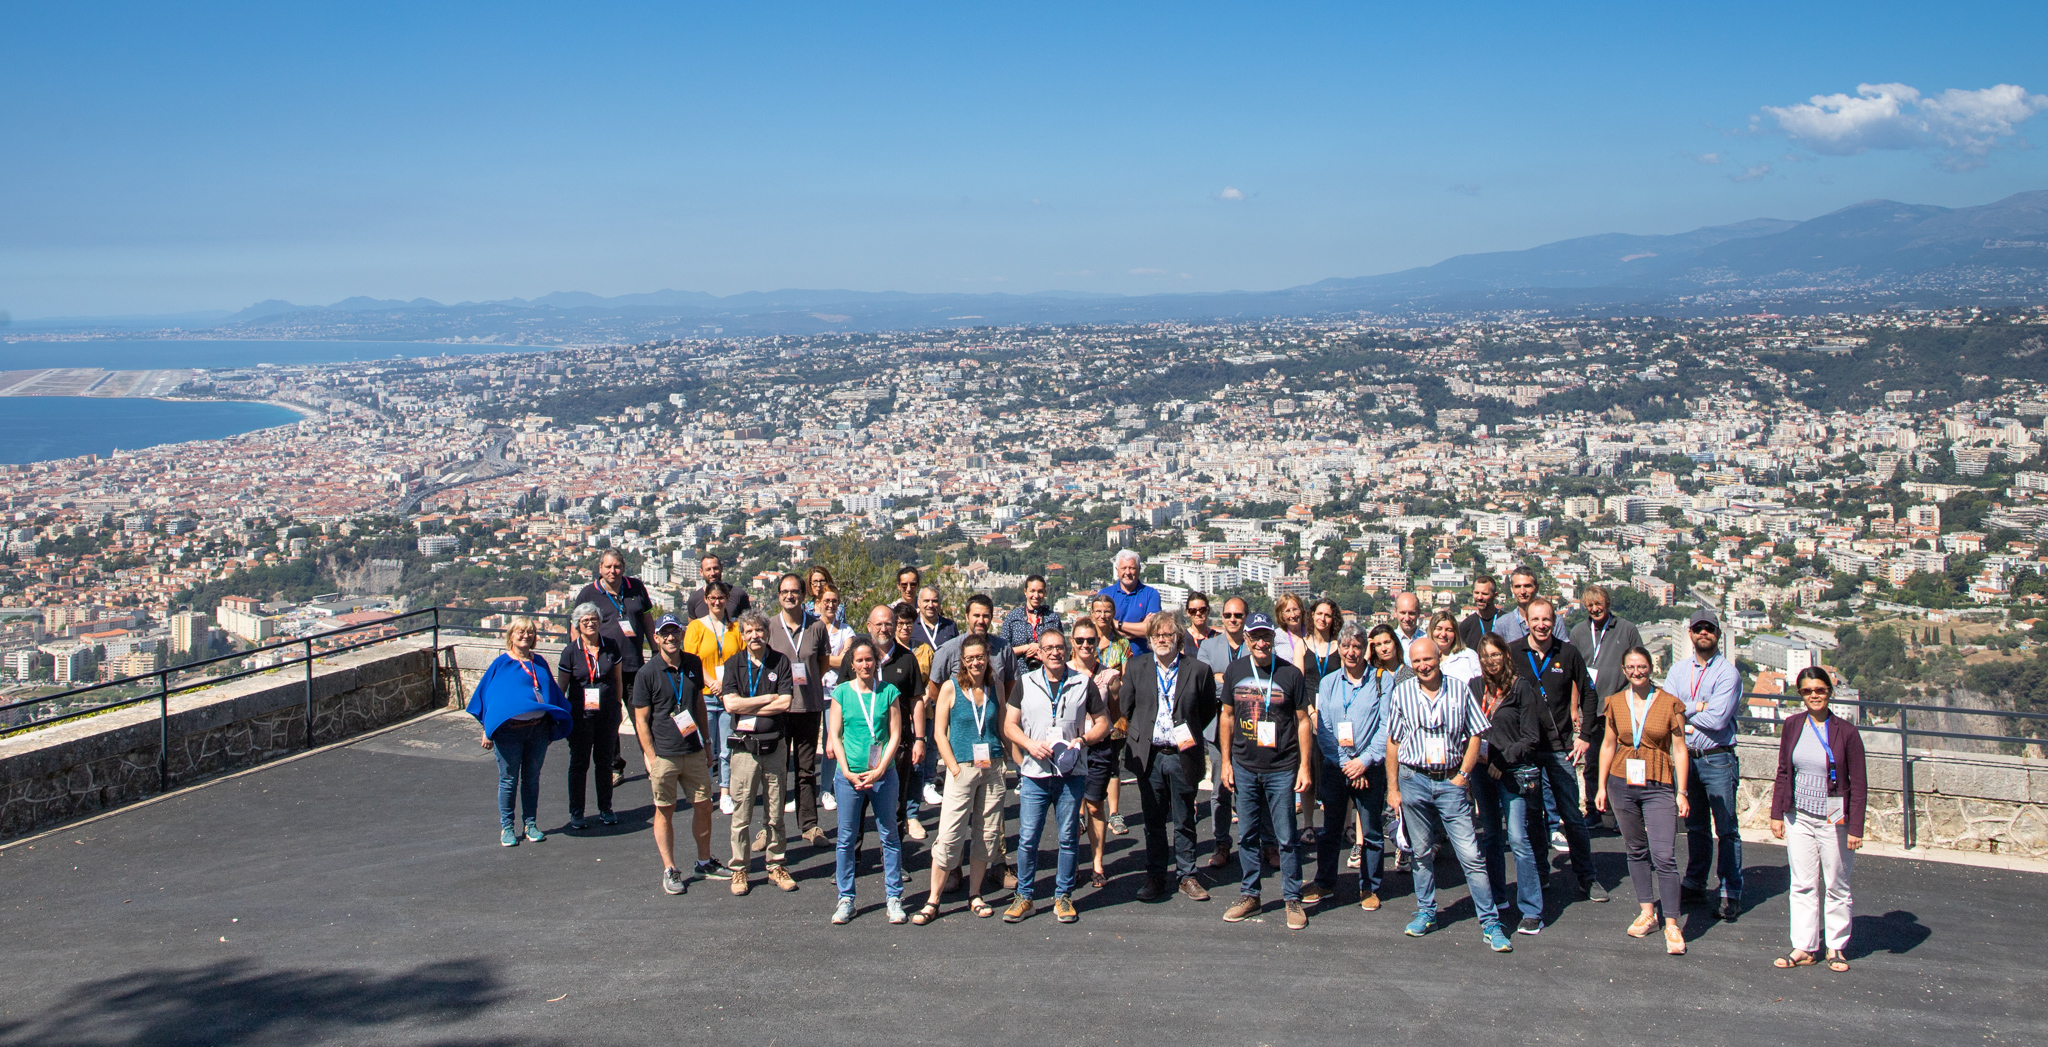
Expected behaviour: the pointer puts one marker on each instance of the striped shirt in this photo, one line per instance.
(1421, 724)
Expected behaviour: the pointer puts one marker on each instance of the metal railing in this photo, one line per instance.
(1903, 727)
(308, 649)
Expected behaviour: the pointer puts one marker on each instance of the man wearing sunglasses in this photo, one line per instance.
(1711, 688)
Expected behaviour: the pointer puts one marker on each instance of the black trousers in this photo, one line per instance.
(803, 730)
(593, 742)
(1166, 793)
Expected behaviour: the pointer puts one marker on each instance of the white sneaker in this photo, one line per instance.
(1558, 842)
(827, 801)
(725, 804)
(788, 806)
(932, 795)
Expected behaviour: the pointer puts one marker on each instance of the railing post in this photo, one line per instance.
(435, 679)
(163, 731)
(309, 692)
(1906, 827)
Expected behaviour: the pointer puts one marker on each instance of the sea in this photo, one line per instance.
(164, 354)
(42, 428)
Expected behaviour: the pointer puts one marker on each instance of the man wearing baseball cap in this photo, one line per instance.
(1711, 688)
(1263, 736)
(668, 716)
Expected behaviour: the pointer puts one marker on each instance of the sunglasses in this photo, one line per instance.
(1084, 641)
(1227, 614)
(1198, 610)
(1821, 691)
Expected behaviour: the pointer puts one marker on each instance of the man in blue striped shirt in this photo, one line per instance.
(1433, 733)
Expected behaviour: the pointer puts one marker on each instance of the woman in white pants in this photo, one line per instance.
(1817, 809)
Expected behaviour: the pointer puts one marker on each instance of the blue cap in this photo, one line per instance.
(666, 621)
(1259, 620)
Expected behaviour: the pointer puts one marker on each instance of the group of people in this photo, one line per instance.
(1478, 734)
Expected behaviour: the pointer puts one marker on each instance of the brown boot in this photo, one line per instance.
(1246, 907)
(1153, 890)
(1222, 856)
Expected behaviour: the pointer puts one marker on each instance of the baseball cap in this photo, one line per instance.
(666, 621)
(1703, 616)
(1258, 621)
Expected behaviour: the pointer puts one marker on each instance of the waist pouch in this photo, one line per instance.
(1528, 779)
(757, 744)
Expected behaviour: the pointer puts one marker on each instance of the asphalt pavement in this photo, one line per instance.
(359, 895)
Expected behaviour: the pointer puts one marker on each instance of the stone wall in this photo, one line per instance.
(97, 763)
(1980, 802)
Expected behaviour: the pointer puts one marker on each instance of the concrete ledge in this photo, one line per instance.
(96, 763)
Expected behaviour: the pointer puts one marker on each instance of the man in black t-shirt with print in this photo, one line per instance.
(1265, 732)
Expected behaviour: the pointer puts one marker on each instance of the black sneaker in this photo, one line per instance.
(607, 818)
(713, 869)
(1530, 925)
(1591, 891)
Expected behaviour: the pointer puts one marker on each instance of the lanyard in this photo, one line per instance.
(1490, 699)
(867, 712)
(1057, 694)
(1599, 635)
(1639, 715)
(931, 635)
(1547, 659)
(537, 696)
(1353, 691)
(717, 642)
(678, 670)
(1488, 622)
(1266, 684)
(615, 600)
(1168, 680)
(754, 678)
(1036, 621)
(1323, 661)
(1821, 729)
(589, 664)
(1699, 675)
(980, 709)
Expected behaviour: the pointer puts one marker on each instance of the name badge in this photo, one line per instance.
(1345, 738)
(590, 700)
(1269, 735)
(800, 672)
(1594, 675)
(626, 627)
(686, 725)
(1433, 752)
(1638, 771)
(749, 723)
(1183, 736)
(983, 757)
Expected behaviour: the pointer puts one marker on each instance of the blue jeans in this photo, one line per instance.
(1429, 809)
(854, 807)
(1265, 812)
(520, 750)
(1710, 790)
(1562, 776)
(1221, 804)
(1063, 794)
(927, 770)
(715, 734)
(1505, 817)
(1336, 794)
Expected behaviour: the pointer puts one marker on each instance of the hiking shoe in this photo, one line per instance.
(1222, 856)
(578, 823)
(533, 832)
(1371, 902)
(1422, 924)
(712, 869)
(1530, 925)
(508, 837)
(1246, 907)
(1592, 891)
(1314, 894)
(896, 913)
(1495, 938)
(781, 878)
(1063, 909)
(816, 837)
(1297, 916)
(843, 912)
(1192, 887)
(1020, 907)
(739, 882)
(673, 882)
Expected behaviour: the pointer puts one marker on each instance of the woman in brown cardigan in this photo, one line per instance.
(1641, 757)
(1817, 809)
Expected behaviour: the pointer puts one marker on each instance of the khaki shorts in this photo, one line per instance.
(690, 775)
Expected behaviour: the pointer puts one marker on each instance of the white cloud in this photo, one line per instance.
(1959, 127)
(1704, 158)
(1231, 193)
(1755, 172)
(1148, 272)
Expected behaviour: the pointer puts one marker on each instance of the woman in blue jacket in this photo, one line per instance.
(522, 711)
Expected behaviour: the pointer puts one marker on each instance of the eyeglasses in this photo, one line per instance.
(1239, 614)
(1820, 691)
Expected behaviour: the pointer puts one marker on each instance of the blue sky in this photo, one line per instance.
(161, 159)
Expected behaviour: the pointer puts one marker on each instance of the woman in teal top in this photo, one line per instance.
(972, 746)
(862, 736)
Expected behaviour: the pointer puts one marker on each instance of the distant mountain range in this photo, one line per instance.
(1871, 253)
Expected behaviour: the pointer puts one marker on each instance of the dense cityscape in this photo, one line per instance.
(1801, 474)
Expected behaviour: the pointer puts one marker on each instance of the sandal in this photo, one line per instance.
(979, 908)
(925, 915)
(1797, 958)
(1643, 925)
(1837, 962)
(1097, 879)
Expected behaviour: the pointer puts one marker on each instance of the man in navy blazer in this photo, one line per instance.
(1170, 698)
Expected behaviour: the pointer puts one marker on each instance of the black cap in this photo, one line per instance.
(1703, 616)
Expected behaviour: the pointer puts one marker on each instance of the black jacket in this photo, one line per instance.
(1194, 704)
(1517, 731)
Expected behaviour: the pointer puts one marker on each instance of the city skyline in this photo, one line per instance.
(191, 162)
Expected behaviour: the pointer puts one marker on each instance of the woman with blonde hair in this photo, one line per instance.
(522, 712)
(1290, 641)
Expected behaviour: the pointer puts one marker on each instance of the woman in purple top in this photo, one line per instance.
(1817, 807)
